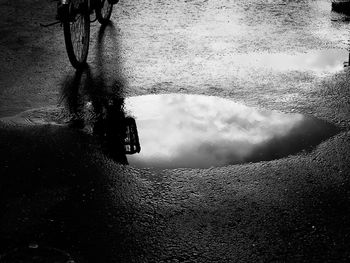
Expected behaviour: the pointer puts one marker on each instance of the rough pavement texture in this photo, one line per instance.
(58, 189)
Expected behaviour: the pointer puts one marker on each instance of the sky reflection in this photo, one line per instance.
(317, 61)
(202, 131)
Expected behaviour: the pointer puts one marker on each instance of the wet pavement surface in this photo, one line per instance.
(214, 73)
(197, 47)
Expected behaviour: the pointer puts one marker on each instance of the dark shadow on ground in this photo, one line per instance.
(52, 187)
(95, 105)
(50, 192)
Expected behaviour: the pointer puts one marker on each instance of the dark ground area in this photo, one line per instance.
(59, 189)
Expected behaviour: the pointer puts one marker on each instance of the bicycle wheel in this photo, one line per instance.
(77, 32)
(104, 11)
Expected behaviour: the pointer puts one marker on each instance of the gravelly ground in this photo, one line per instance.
(59, 189)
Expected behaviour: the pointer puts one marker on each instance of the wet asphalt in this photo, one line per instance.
(59, 188)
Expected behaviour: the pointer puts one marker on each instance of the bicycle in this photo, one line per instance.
(75, 16)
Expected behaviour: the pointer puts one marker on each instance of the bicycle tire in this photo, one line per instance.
(77, 33)
(104, 11)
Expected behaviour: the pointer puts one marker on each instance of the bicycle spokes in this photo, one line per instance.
(75, 17)
(77, 32)
(78, 35)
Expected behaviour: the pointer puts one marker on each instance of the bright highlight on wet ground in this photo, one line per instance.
(202, 131)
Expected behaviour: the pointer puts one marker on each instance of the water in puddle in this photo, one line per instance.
(202, 131)
(197, 131)
(317, 61)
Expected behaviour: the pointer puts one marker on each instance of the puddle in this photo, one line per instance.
(318, 61)
(203, 131)
(196, 131)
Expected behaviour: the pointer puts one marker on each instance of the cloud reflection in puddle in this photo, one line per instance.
(202, 131)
